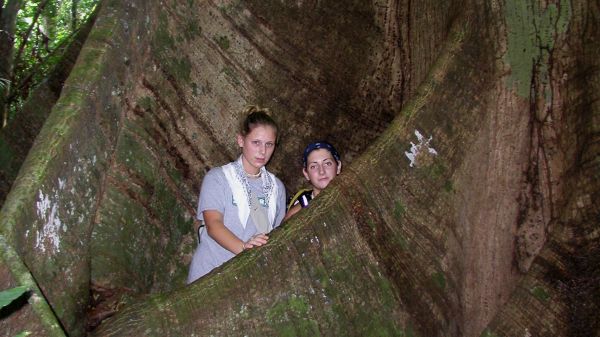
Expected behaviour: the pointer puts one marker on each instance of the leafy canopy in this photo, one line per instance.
(43, 29)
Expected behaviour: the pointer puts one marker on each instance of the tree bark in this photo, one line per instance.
(17, 138)
(74, 20)
(469, 139)
(559, 296)
(7, 38)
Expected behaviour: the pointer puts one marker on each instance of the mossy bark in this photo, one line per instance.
(47, 217)
(17, 137)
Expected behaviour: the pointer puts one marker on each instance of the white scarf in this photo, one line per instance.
(239, 187)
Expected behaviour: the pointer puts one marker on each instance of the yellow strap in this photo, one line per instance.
(295, 198)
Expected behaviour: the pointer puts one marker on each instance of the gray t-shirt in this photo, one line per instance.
(215, 194)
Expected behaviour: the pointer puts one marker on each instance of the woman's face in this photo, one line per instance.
(320, 169)
(257, 147)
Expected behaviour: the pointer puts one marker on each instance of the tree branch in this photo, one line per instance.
(38, 12)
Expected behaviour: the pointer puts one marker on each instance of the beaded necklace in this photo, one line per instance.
(267, 184)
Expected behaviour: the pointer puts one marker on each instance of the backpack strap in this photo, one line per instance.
(303, 197)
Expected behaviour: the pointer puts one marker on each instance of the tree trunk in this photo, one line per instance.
(8, 19)
(74, 23)
(469, 139)
(559, 295)
(17, 138)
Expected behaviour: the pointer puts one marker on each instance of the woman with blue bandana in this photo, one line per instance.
(321, 163)
(240, 202)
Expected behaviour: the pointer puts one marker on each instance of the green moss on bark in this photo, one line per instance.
(439, 280)
(540, 293)
(532, 32)
(162, 41)
(222, 41)
(192, 30)
(291, 317)
(399, 210)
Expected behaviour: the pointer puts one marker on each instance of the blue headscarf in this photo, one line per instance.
(321, 144)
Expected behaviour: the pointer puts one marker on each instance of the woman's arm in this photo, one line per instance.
(293, 210)
(217, 230)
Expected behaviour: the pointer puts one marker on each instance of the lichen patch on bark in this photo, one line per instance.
(421, 153)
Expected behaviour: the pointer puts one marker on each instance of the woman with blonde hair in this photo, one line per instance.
(241, 202)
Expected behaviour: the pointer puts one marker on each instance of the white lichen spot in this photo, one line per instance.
(61, 183)
(43, 205)
(47, 238)
(35, 297)
(419, 150)
(70, 278)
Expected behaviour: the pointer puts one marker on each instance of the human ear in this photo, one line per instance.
(339, 169)
(240, 140)
(305, 174)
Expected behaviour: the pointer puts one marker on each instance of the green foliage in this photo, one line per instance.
(4, 83)
(43, 29)
(9, 295)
